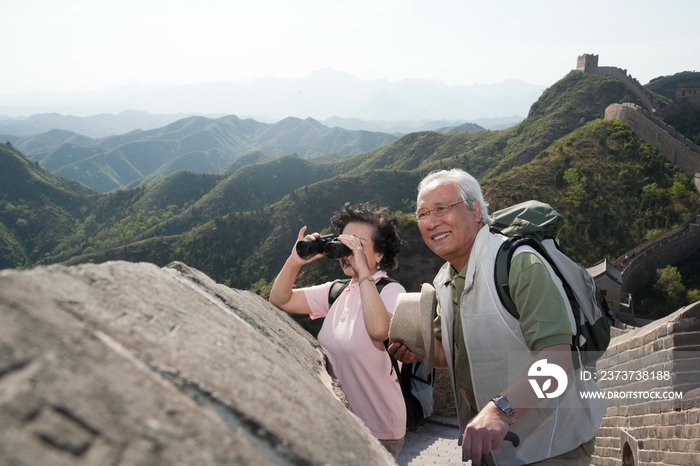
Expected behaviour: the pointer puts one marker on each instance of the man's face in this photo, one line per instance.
(451, 236)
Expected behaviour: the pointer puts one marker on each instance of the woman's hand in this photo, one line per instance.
(301, 237)
(358, 260)
(283, 295)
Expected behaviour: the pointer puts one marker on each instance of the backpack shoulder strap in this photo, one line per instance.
(502, 268)
(339, 285)
(336, 288)
(394, 362)
(384, 281)
(381, 283)
(501, 272)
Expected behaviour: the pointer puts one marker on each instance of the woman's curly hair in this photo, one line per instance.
(386, 237)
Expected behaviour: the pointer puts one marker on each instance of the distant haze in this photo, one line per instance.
(321, 95)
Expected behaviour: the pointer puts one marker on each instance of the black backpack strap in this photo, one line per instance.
(394, 362)
(501, 272)
(339, 285)
(336, 288)
(382, 282)
(502, 269)
(412, 374)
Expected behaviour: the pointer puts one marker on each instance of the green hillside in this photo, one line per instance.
(614, 190)
(463, 128)
(37, 209)
(684, 117)
(569, 104)
(596, 177)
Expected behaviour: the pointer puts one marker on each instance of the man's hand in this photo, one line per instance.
(401, 352)
(484, 433)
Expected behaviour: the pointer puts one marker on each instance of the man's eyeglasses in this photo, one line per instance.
(439, 210)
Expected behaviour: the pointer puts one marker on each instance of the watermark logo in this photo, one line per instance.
(545, 372)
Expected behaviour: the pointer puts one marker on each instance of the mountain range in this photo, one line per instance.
(103, 125)
(239, 224)
(195, 143)
(94, 126)
(198, 144)
(321, 95)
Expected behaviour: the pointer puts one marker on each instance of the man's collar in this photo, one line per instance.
(452, 272)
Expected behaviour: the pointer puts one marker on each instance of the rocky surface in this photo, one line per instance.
(124, 363)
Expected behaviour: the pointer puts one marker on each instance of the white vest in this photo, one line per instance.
(498, 353)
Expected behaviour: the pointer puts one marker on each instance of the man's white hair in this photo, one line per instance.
(468, 188)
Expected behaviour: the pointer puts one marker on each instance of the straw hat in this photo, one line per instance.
(412, 323)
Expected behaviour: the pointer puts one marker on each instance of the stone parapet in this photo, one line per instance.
(649, 101)
(443, 396)
(640, 264)
(638, 430)
(678, 149)
(129, 363)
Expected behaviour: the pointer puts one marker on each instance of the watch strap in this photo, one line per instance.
(506, 406)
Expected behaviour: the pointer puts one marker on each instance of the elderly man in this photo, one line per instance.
(476, 336)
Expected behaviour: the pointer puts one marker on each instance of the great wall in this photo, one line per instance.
(637, 267)
(637, 431)
(588, 63)
(678, 149)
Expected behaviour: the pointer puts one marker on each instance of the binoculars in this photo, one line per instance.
(327, 244)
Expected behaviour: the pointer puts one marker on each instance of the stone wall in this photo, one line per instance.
(640, 264)
(649, 101)
(636, 429)
(124, 364)
(443, 397)
(679, 150)
(689, 92)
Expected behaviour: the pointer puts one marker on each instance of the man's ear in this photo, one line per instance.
(477, 212)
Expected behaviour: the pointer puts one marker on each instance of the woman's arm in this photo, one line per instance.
(377, 319)
(374, 313)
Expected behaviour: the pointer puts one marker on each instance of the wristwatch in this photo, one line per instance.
(506, 406)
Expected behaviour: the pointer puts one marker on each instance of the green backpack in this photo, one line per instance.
(536, 224)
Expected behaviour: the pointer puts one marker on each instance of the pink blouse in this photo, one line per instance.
(361, 365)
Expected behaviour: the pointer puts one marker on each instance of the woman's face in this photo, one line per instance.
(364, 232)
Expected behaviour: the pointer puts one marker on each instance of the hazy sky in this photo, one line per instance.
(56, 45)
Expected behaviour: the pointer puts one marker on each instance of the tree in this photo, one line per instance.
(670, 284)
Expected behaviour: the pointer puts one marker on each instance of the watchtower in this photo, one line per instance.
(587, 62)
(688, 91)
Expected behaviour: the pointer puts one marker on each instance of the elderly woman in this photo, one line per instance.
(357, 323)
